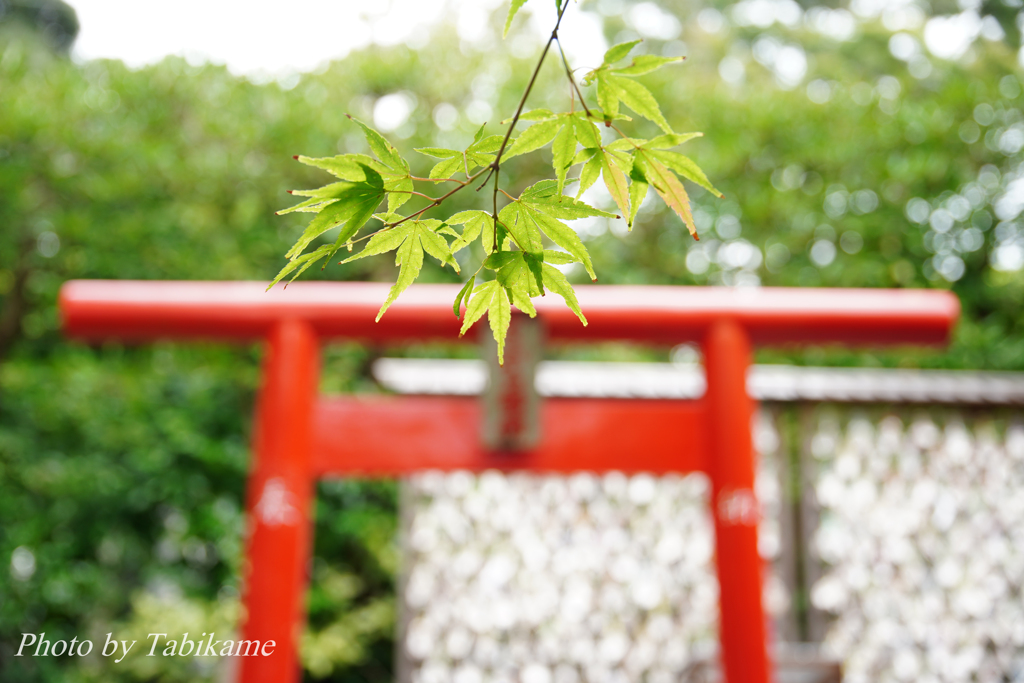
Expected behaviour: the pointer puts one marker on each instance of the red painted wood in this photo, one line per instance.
(140, 311)
(734, 505)
(393, 436)
(279, 500)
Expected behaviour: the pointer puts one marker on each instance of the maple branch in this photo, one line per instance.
(437, 180)
(494, 208)
(494, 167)
(572, 80)
(437, 201)
(412, 192)
(496, 164)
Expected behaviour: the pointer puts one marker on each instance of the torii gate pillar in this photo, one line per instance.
(735, 508)
(279, 500)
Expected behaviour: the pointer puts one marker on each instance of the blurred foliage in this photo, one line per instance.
(122, 469)
(52, 20)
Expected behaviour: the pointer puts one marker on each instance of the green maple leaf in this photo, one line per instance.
(637, 193)
(490, 298)
(668, 187)
(526, 275)
(389, 165)
(615, 181)
(615, 86)
(350, 203)
(535, 137)
(300, 264)
(548, 126)
(610, 164)
(557, 283)
(532, 115)
(347, 166)
(409, 240)
(617, 53)
(564, 131)
(464, 294)
(346, 203)
(383, 149)
(657, 149)
(644, 64)
(654, 165)
(479, 153)
(563, 149)
(614, 164)
(685, 167)
(519, 272)
(519, 277)
(537, 212)
(397, 180)
(474, 223)
(512, 11)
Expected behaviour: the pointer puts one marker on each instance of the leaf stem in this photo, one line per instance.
(413, 192)
(623, 135)
(572, 80)
(437, 180)
(496, 164)
(494, 167)
(438, 200)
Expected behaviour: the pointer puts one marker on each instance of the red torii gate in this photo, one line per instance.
(301, 437)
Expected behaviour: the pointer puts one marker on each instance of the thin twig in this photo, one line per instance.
(494, 208)
(436, 201)
(412, 192)
(496, 164)
(437, 180)
(494, 167)
(624, 136)
(572, 80)
(529, 87)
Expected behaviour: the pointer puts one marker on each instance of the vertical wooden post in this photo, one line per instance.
(511, 405)
(734, 504)
(279, 500)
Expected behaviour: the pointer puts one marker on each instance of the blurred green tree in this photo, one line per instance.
(54, 20)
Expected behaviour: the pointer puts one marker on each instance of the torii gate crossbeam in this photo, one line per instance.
(301, 437)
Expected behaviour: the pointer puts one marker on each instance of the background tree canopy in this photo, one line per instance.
(52, 20)
(850, 154)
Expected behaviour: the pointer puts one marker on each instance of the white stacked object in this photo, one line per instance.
(922, 535)
(548, 579)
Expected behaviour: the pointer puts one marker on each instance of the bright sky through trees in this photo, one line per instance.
(272, 38)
